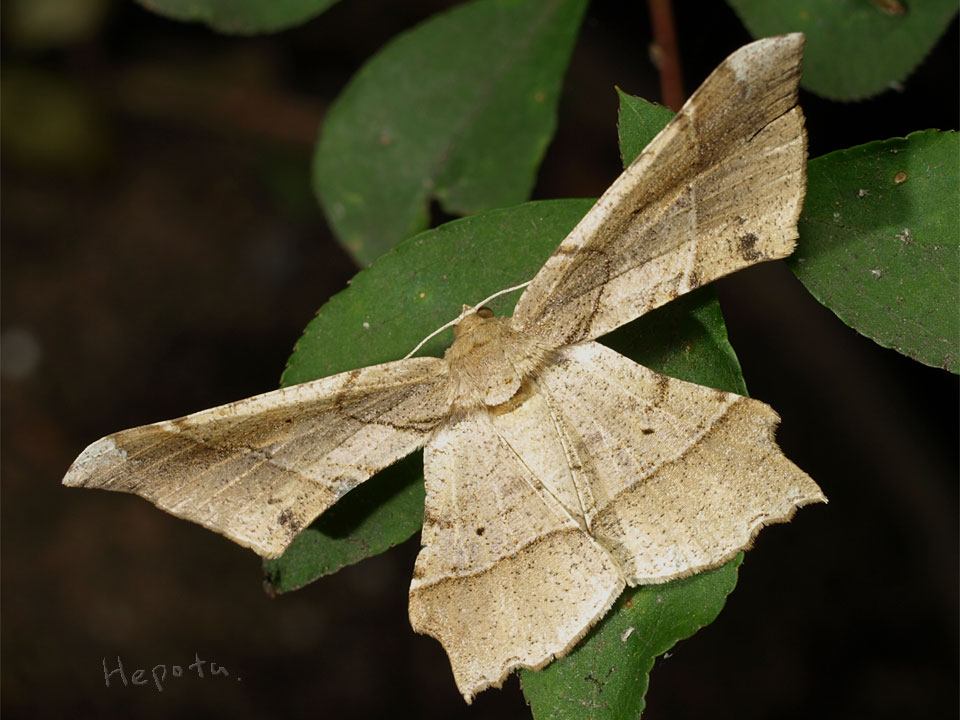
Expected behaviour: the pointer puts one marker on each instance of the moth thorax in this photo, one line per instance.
(489, 360)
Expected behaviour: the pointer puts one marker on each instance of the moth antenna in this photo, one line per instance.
(439, 330)
(462, 315)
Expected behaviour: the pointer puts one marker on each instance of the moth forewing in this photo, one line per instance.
(260, 470)
(719, 188)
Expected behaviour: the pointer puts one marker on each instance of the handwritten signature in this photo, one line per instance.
(159, 672)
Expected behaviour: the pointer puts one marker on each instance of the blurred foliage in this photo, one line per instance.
(460, 109)
(49, 122)
(37, 25)
(240, 17)
(855, 48)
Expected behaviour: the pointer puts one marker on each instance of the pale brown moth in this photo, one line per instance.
(557, 471)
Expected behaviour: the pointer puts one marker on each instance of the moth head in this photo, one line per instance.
(472, 320)
(489, 360)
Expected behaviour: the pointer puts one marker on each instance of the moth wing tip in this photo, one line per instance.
(97, 457)
(794, 38)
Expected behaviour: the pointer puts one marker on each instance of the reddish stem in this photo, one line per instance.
(666, 54)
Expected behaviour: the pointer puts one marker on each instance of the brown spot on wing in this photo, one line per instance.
(663, 385)
(747, 246)
(430, 518)
(290, 521)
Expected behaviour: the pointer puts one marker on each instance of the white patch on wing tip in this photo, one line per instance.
(99, 456)
(752, 59)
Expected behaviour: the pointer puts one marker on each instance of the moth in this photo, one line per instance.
(557, 471)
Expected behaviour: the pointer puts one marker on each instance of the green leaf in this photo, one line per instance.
(855, 48)
(685, 339)
(880, 242)
(240, 17)
(608, 675)
(640, 121)
(460, 109)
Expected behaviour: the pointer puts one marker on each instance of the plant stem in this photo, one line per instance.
(665, 54)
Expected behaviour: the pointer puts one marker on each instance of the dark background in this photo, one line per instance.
(162, 253)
